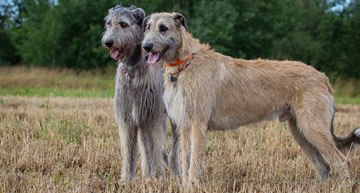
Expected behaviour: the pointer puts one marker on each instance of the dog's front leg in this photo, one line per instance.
(198, 149)
(173, 158)
(185, 153)
(128, 136)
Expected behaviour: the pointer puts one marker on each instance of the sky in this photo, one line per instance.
(340, 7)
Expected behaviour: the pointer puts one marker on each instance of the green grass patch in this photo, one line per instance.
(347, 100)
(103, 93)
(55, 92)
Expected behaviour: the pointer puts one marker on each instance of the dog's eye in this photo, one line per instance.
(163, 28)
(108, 23)
(123, 24)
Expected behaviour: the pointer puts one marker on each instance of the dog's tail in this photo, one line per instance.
(344, 144)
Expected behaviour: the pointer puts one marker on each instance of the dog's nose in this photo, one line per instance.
(148, 46)
(109, 43)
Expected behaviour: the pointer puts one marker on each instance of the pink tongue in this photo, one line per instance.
(153, 58)
(114, 53)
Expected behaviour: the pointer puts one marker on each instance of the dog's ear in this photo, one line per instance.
(145, 23)
(180, 19)
(138, 13)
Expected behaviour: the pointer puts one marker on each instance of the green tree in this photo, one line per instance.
(67, 33)
(10, 18)
(214, 22)
(37, 36)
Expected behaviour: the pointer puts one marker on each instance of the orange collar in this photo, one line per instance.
(177, 63)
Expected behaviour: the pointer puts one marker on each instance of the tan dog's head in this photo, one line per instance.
(163, 34)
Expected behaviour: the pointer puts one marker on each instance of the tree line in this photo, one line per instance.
(67, 33)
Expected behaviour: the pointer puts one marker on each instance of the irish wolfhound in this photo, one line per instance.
(205, 90)
(139, 108)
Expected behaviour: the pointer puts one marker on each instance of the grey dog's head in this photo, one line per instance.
(163, 34)
(123, 31)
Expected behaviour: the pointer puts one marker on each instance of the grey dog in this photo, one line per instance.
(139, 109)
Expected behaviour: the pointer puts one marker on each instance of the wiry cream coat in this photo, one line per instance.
(217, 92)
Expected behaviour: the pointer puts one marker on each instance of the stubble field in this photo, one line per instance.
(71, 144)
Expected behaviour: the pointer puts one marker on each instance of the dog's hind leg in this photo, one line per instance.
(321, 166)
(173, 158)
(128, 137)
(314, 122)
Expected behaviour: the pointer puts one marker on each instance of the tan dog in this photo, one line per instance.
(205, 90)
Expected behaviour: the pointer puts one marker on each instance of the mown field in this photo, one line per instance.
(58, 134)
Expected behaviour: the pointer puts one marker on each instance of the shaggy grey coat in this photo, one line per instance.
(139, 109)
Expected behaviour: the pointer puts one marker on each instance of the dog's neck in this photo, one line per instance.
(188, 46)
(135, 61)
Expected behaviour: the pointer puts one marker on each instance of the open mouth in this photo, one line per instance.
(155, 57)
(116, 53)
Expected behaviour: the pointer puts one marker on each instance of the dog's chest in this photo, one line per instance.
(137, 103)
(175, 102)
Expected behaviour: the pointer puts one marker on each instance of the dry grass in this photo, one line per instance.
(44, 82)
(24, 77)
(69, 144)
(72, 145)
